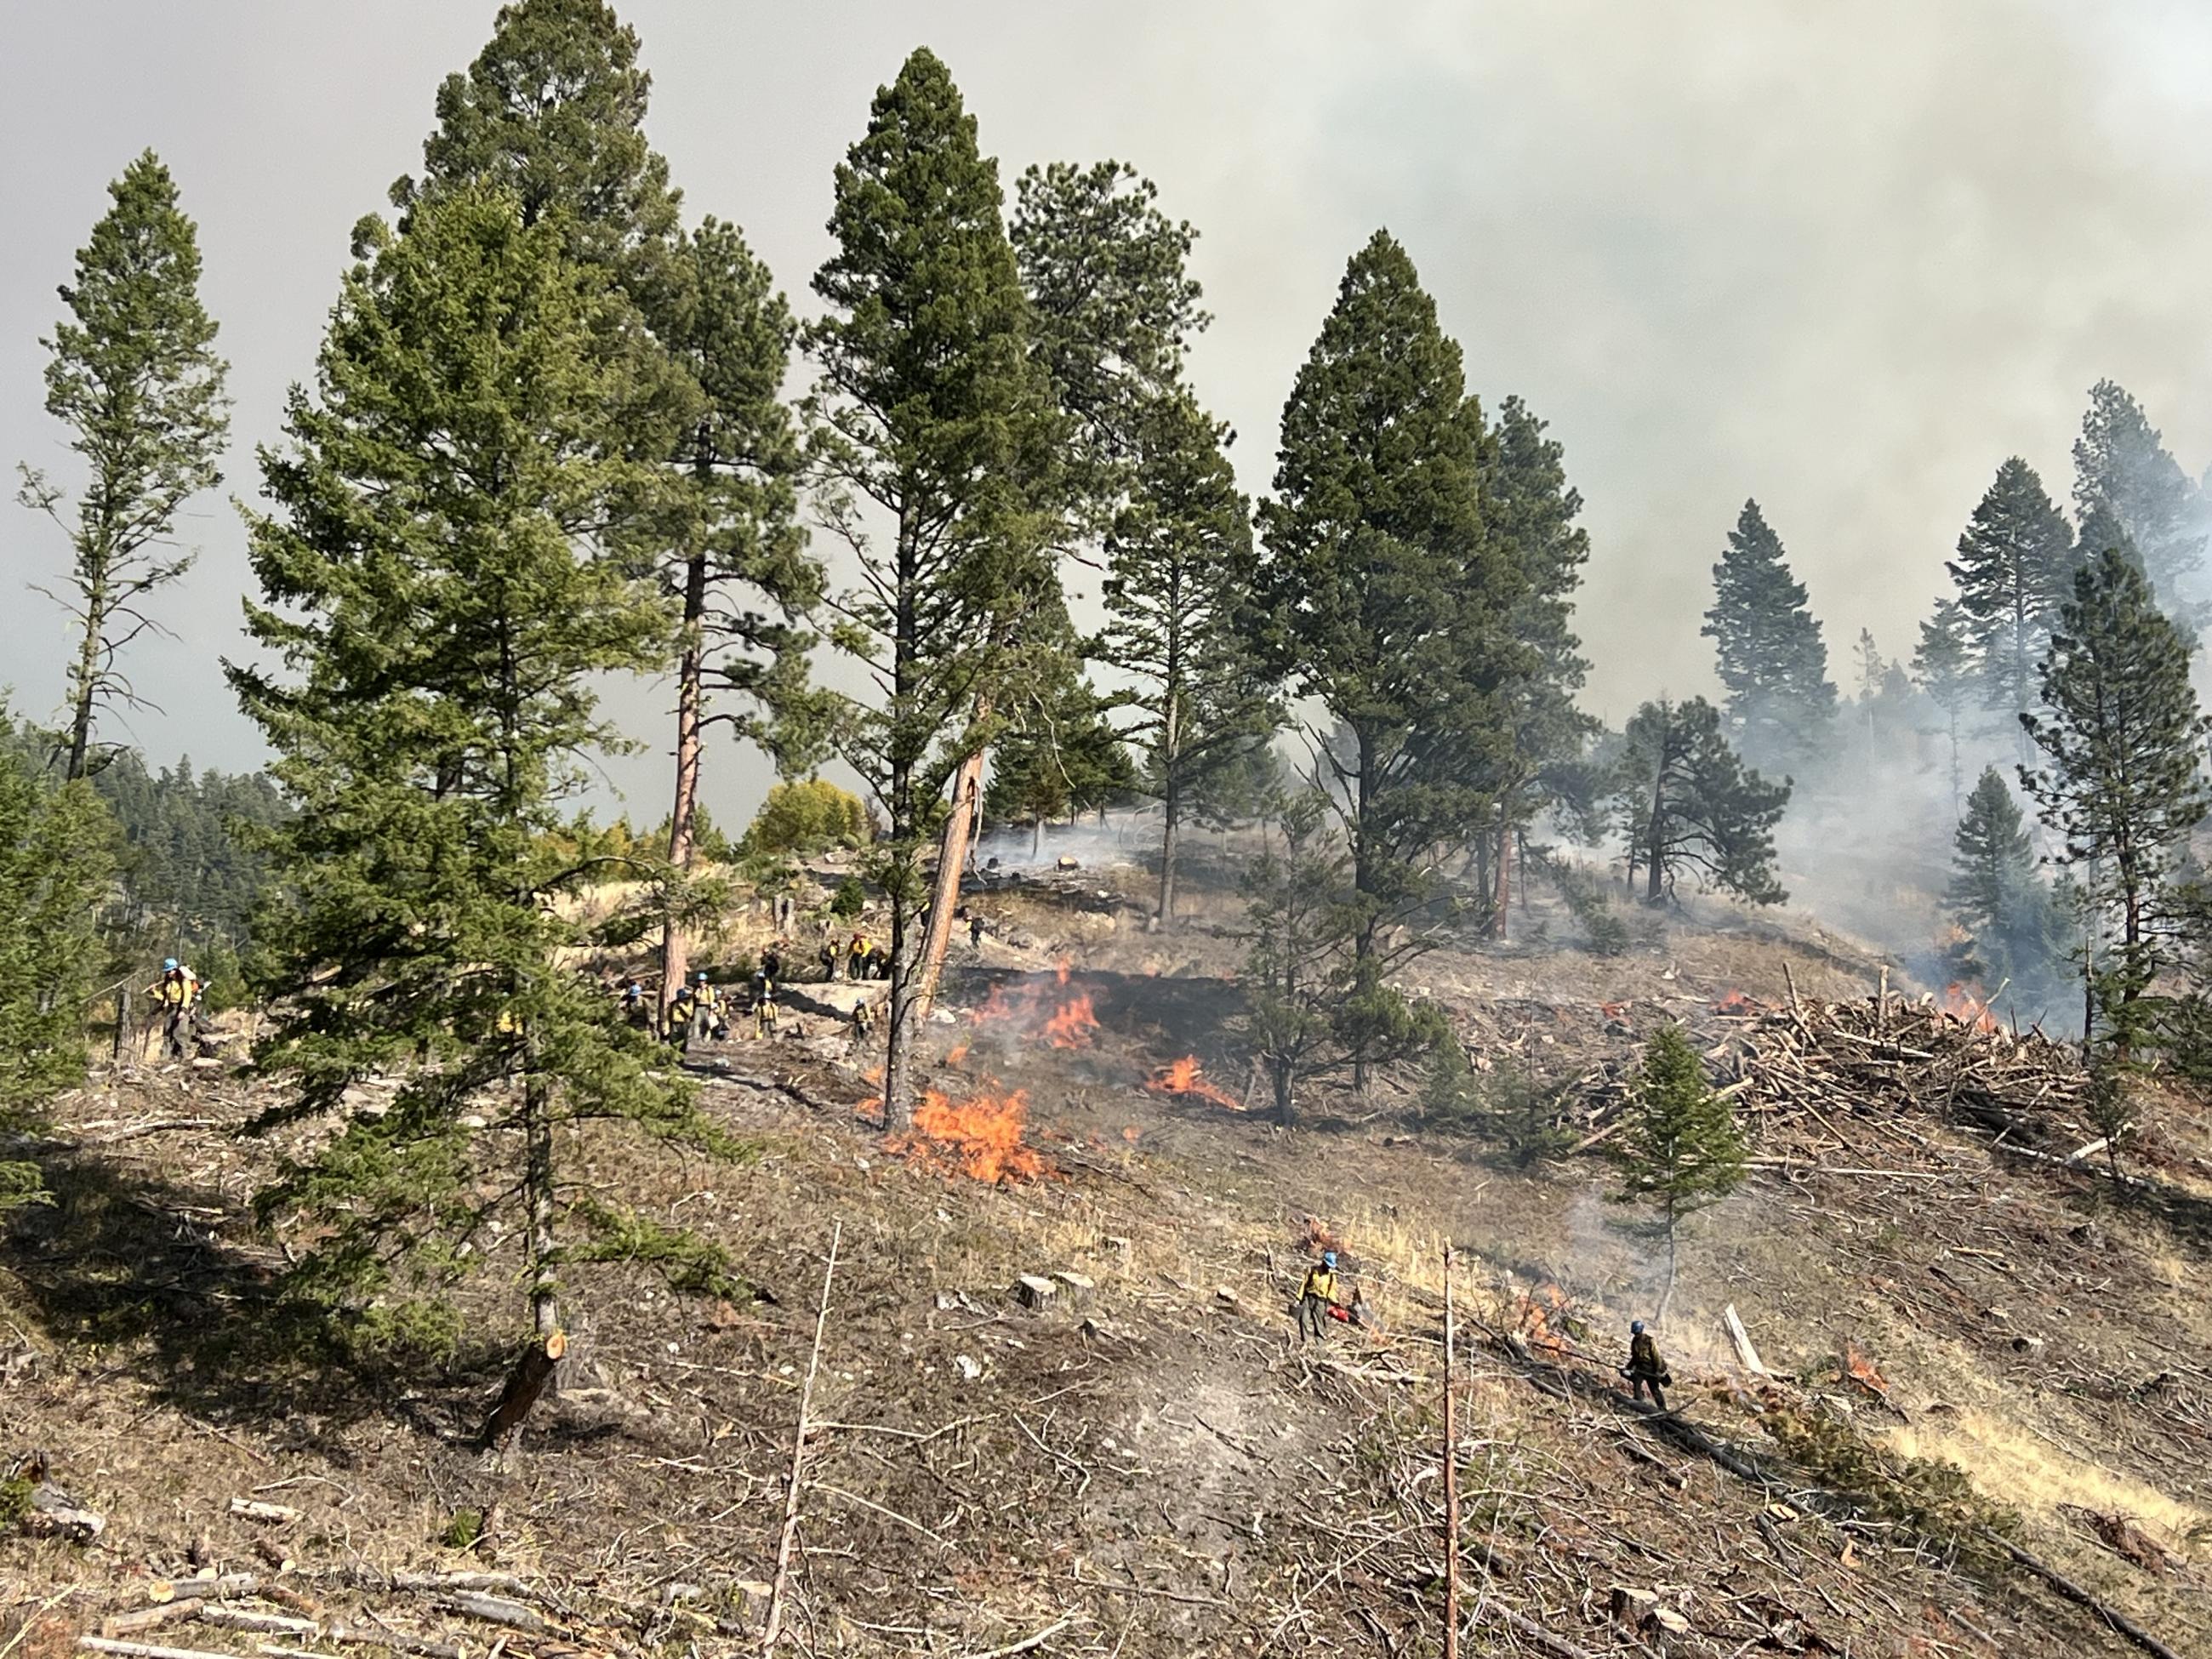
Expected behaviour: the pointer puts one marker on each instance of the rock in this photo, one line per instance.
(946, 1301)
(967, 1368)
(1033, 1292)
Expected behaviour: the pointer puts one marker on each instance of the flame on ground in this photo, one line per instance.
(1063, 1013)
(1863, 1371)
(1182, 1077)
(1966, 1005)
(957, 1053)
(1543, 1316)
(1735, 1002)
(980, 1136)
(1072, 1022)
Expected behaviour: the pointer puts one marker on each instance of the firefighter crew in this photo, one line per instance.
(1317, 1296)
(706, 1010)
(178, 993)
(1646, 1368)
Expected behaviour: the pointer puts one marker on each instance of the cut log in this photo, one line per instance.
(497, 1610)
(369, 1636)
(264, 1623)
(144, 1649)
(1740, 1340)
(60, 1521)
(1033, 1291)
(247, 1509)
(129, 1624)
(533, 1374)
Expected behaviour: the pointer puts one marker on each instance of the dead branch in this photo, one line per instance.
(2113, 1617)
(790, 1534)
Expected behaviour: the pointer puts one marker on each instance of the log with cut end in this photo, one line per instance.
(532, 1375)
(247, 1509)
(165, 1613)
(497, 1610)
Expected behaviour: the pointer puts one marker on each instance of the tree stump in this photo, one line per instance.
(532, 1375)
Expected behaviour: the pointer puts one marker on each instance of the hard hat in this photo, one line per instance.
(1328, 1258)
(701, 977)
(168, 964)
(1636, 1327)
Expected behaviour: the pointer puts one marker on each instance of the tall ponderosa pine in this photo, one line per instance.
(1771, 658)
(553, 110)
(57, 855)
(1681, 1150)
(1178, 594)
(2015, 568)
(1686, 802)
(2014, 932)
(2123, 783)
(133, 373)
(1529, 512)
(2122, 467)
(1385, 605)
(447, 574)
(1944, 667)
(937, 459)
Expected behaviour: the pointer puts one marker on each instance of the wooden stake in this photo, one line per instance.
(1451, 1477)
(790, 1536)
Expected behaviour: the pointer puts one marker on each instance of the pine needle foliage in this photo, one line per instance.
(443, 576)
(1681, 1150)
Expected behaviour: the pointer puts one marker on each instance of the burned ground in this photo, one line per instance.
(1147, 1463)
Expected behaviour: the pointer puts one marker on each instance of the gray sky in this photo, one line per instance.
(1843, 257)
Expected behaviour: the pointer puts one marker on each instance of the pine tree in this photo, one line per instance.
(1943, 666)
(1300, 918)
(2122, 784)
(445, 574)
(1385, 605)
(1529, 513)
(2015, 930)
(1177, 592)
(2015, 565)
(553, 110)
(1686, 802)
(57, 846)
(134, 377)
(1772, 660)
(2121, 466)
(937, 419)
(1681, 1150)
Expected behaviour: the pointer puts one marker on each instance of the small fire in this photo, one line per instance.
(981, 1136)
(957, 1053)
(1735, 1002)
(1863, 1371)
(1181, 1077)
(1543, 1318)
(1072, 1022)
(1968, 1008)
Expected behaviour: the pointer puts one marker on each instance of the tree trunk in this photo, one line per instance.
(1502, 898)
(1667, 1296)
(84, 679)
(690, 671)
(1657, 867)
(951, 858)
(903, 1012)
(1171, 808)
(1363, 943)
(1284, 1070)
(538, 1198)
(527, 1384)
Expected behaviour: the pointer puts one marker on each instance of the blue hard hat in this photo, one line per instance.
(1328, 1258)
(1636, 1327)
(701, 977)
(168, 964)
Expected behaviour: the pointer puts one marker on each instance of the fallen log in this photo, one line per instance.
(248, 1509)
(145, 1650)
(497, 1610)
(1740, 1340)
(397, 1641)
(262, 1624)
(129, 1624)
(2114, 1619)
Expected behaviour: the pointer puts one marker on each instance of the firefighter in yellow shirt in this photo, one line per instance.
(176, 993)
(1317, 1296)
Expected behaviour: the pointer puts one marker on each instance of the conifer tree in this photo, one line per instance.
(1771, 658)
(1386, 606)
(1944, 667)
(1681, 1151)
(2122, 782)
(553, 110)
(1529, 513)
(1300, 918)
(937, 465)
(1686, 802)
(2015, 930)
(445, 574)
(2122, 467)
(57, 855)
(134, 376)
(2015, 568)
(1178, 594)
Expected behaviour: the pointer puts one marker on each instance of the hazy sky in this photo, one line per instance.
(1843, 257)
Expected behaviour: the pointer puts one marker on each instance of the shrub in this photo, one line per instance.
(811, 815)
(849, 900)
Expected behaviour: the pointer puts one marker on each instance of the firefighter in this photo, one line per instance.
(1646, 1368)
(1317, 1296)
(975, 931)
(864, 1020)
(763, 999)
(772, 960)
(856, 957)
(633, 1003)
(177, 992)
(828, 958)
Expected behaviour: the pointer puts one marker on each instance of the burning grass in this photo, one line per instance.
(1186, 1077)
(982, 1136)
(1061, 1012)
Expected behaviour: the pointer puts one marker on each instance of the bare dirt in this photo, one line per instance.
(1148, 1463)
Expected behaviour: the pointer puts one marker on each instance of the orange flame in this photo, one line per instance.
(1072, 1022)
(1734, 1002)
(957, 1053)
(1181, 1077)
(981, 1136)
(1540, 1308)
(1968, 1008)
(1863, 1371)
